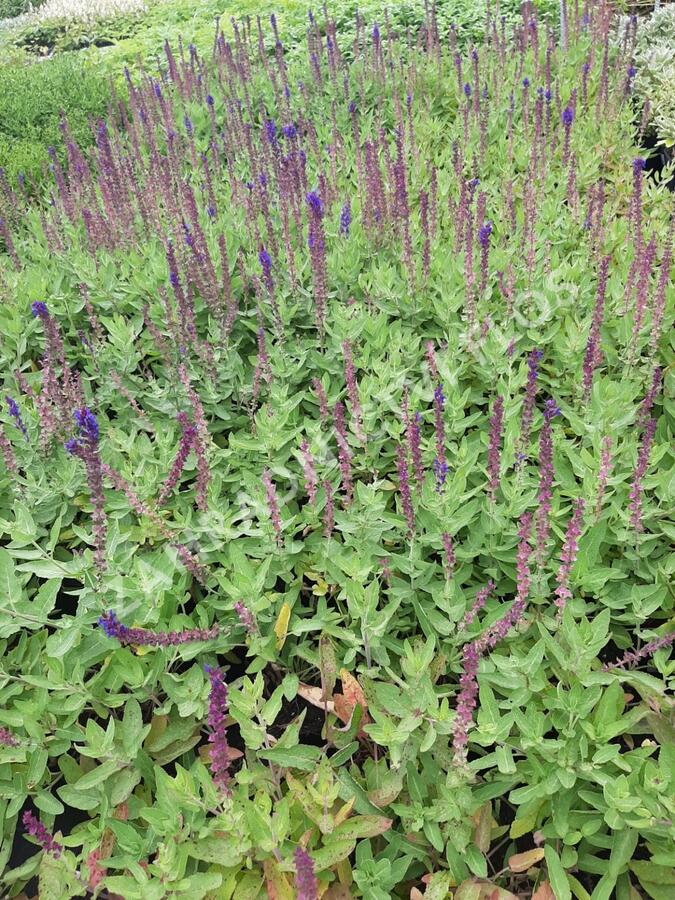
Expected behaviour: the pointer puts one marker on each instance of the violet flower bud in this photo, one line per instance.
(15, 413)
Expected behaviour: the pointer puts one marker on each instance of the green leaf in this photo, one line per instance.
(360, 827)
(333, 853)
(10, 587)
(98, 775)
(556, 874)
(301, 757)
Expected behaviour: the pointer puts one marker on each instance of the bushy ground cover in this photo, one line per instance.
(338, 479)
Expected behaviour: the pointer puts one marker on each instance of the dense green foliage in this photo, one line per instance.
(33, 100)
(197, 308)
(11, 8)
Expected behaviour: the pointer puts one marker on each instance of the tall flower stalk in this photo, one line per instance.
(474, 650)
(353, 390)
(272, 504)
(220, 751)
(440, 464)
(186, 443)
(85, 445)
(603, 473)
(636, 488)
(527, 414)
(545, 478)
(404, 489)
(494, 447)
(569, 555)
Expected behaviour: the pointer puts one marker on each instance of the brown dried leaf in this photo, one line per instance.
(314, 696)
(521, 862)
(544, 892)
(327, 665)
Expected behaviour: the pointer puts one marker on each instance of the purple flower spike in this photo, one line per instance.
(345, 219)
(494, 445)
(220, 751)
(533, 360)
(636, 488)
(315, 204)
(569, 555)
(272, 504)
(15, 413)
(36, 829)
(7, 739)
(266, 263)
(404, 490)
(142, 637)
(246, 617)
(39, 310)
(484, 234)
(88, 425)
(551, 410)
(85, 445)
(306, 886)
(634, 656)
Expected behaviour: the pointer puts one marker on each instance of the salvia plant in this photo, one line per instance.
(337, 474)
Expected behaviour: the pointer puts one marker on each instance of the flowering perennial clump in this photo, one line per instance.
(289, 312)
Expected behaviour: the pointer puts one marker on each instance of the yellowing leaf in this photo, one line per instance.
(521, 862)
(158, 726)
(344, 811)
(483, 821)
(281, 625)
(519, 827)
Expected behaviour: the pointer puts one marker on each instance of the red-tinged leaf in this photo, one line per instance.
(277, 883)
(521, 862)
(475, 889)
(544, 892)
(338, 892)
(353, 694)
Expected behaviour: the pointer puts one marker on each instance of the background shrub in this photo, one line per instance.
(11, 8)
(33, 99)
